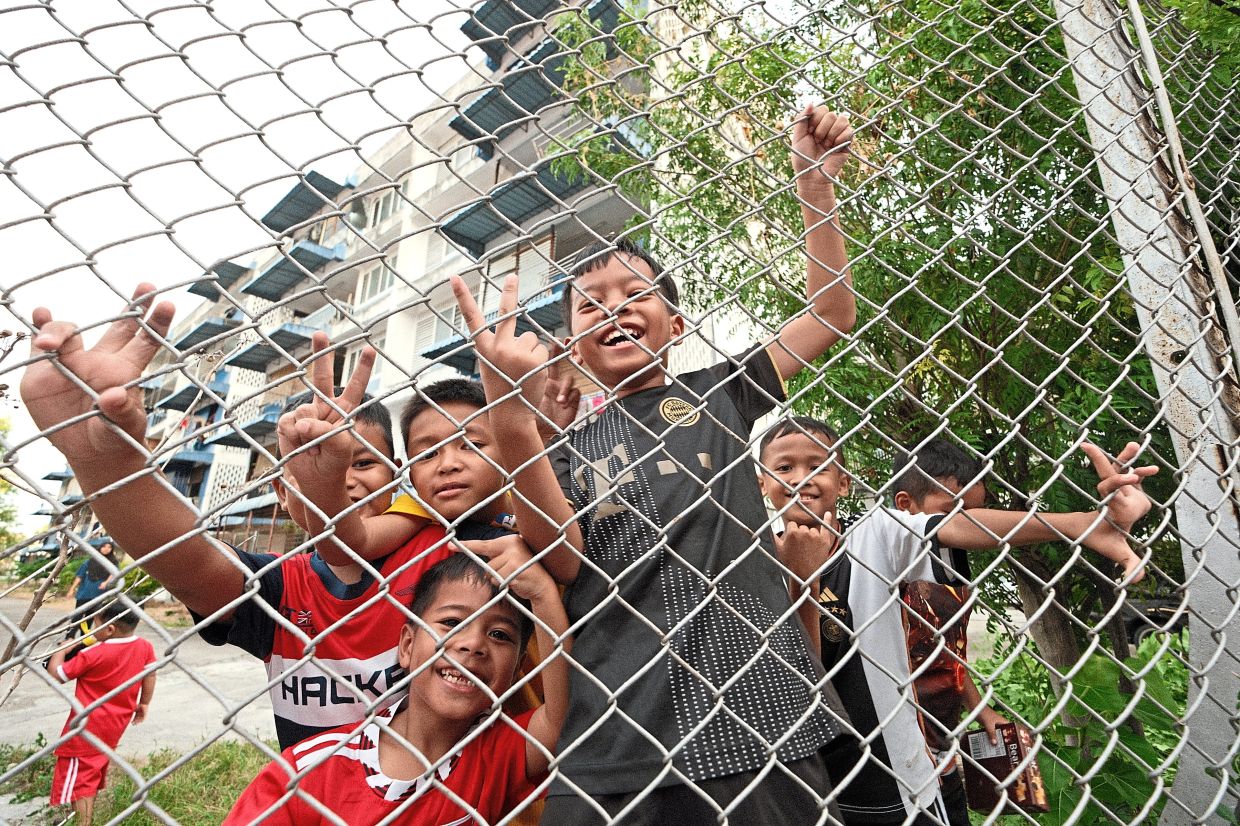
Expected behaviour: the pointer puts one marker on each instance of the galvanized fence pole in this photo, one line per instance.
(1198, 395)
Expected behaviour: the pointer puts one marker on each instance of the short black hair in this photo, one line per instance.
(117, 613)
(370, 410)
(917, 471)
(460, 567)
(438, 394)
(806, 425)
(599, 254)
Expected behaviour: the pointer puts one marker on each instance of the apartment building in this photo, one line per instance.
(467, 187)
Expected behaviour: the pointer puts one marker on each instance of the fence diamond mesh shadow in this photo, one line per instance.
(753, 446)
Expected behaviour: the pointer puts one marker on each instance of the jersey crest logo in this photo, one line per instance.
(679, 412)
(302, 619)
(834, 622)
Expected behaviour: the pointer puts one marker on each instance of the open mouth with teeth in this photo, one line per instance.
(625, 335)
(455, 678)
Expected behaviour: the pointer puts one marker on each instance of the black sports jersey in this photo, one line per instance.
(685, 617)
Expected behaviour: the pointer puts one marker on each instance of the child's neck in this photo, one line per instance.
(648, 378)
(431, 737)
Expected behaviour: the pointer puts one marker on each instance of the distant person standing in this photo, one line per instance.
(117, 668)
(90, 581)
(92, 578)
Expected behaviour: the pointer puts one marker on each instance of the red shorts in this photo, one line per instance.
(78, 777)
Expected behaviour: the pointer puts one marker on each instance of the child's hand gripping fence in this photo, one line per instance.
(1038, 214)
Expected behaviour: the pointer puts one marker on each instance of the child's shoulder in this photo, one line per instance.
(883, 522)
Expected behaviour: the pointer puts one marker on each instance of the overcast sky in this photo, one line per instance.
(155, 139)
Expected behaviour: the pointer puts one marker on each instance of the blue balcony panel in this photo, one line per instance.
(529, 85)
(184, 397)
(260, 428)
(208, 328)
(499, 22)
(226, 274)
(59, 475)
(250, 521)
(259, 354)
(510, 204)
(492, 114)
(287, 271)
(263, 501)
(308, 196)
(604, 14)
(539, 315)
(65, 504)
(189, 457)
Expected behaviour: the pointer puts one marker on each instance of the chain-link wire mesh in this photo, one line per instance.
(771, 615)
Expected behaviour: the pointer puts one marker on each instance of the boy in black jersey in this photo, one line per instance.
(845, 582)
(696, 700)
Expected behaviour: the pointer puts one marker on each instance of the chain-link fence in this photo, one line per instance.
(1035, 222)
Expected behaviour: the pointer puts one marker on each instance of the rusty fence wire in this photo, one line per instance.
(1039, 214)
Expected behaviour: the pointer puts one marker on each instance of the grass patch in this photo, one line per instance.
(32, 782)
(199, 793)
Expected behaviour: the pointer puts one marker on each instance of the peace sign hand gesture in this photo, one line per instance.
(323, 464)
(505, 360)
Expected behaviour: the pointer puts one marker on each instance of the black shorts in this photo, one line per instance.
(777, 798)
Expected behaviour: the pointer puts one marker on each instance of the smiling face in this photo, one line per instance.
(622, 325)
(455, 471)
(795, 472)
(478, 658)
(368, 473)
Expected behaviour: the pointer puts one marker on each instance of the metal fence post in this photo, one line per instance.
(1198, 394)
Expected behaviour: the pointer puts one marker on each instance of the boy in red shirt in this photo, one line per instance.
(114, 686)
(443, 755)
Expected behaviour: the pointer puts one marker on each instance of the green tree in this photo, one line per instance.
(992, 303)
(9, 534)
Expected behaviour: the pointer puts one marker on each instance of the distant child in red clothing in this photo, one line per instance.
(114, 674)
(447, 753)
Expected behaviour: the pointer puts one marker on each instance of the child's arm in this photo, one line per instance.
(986, 715)
(318, 461)
(529, 580)
(57, 661)
(1104, 531)
(144, 699)
(804, 551)
(505, 360)
(139, 508)
(820, 141)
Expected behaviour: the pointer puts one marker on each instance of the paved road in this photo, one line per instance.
(197, 690)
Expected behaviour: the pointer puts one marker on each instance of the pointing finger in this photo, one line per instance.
(1102, 465)
(321, 373)
(356, 388)
(474, 320)
(507, 307)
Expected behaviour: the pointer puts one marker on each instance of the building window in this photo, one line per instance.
(374, 282)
